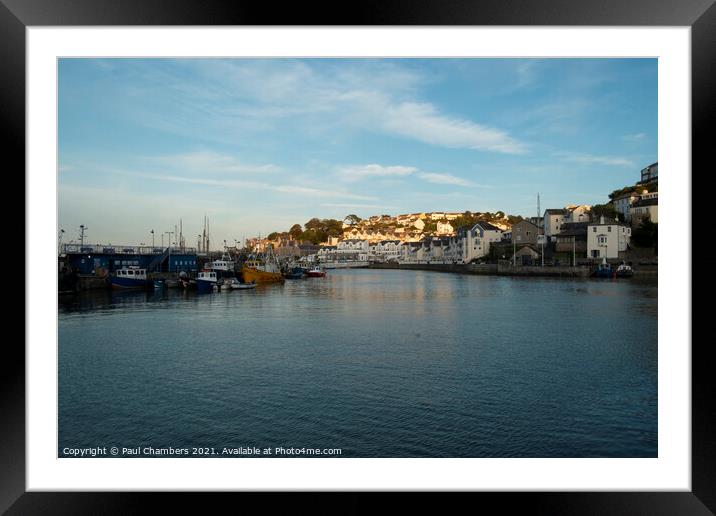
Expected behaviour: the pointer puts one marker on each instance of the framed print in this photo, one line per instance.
(419, 253)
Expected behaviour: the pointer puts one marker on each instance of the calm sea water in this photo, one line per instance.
(378, 363)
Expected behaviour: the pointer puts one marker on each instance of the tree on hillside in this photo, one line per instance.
(272, 236)
(295, 231)
(314, 223)
(352, 219)
(604, 209)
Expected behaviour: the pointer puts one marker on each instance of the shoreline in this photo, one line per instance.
(493, 269)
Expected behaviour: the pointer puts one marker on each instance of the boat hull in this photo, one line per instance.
(130, 283)
(205, 286)
(254, 275)
(242, 286)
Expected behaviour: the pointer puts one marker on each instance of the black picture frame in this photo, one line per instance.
(700, 15)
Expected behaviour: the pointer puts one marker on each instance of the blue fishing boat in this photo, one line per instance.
(604, 270)
(130, 277)
(206, 281)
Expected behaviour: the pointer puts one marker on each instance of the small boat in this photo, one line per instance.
(206, 281)
(624, 271)
(316, 272)
(295, 273)
(159, 284)
(242, 286)
(130, 277)
(604, 270)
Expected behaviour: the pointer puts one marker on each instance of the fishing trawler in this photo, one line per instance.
(259, 270)
(224, 266)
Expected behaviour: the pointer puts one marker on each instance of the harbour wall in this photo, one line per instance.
(489, 269)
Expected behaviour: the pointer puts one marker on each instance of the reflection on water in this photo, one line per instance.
(377, 363)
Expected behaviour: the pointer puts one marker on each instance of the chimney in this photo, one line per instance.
(601, 219)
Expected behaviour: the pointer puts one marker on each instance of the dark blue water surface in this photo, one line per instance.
(378, 363)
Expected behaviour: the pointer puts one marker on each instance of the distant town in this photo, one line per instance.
(623, 227)
(571, 240)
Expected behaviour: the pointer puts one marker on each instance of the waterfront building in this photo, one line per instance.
(385, 250)
(90, 258)
(525, 232)
(527, 254)
(571, 243)
(475, 242)
(553, 220)
(607, 238)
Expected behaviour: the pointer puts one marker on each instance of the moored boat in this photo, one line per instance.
(242, 286)
(624, 271)
(604, 270)
(295, 273)
(206, 281)
(130, 277)
(261, 271)
(316, 272)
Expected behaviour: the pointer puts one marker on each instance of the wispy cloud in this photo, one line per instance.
(446, 179)
(243, 184)
(591, 159)
(636, 137)
(424, 122)
(206, 161)
(222, 100)
(358, 172)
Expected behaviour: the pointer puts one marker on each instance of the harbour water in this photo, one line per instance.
(376, 363)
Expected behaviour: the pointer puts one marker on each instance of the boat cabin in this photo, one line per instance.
(206, 276)
(132, 273)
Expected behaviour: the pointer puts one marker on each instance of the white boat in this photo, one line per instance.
(224, 266)
(235, 284)
(243, 286)
(624, 271)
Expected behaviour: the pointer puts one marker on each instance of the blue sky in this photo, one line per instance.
(260, 144)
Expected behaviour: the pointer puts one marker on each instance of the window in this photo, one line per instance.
(609, 229)
(594, 229)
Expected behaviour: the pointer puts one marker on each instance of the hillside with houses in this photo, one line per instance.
(623, 227)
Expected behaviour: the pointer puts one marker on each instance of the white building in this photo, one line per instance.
(578, 213)
(553, 220)
(607, 238)
(385, 250)
(444, 228)
(475, 242)
(623, 204)
(646, 207)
